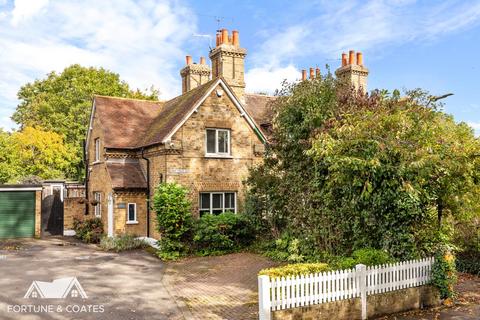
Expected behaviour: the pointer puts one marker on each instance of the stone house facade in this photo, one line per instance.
(206, 139)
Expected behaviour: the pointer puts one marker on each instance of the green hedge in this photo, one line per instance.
(222, 233)
(295, 269)
(88, 230)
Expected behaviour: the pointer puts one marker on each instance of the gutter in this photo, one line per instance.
(148, 191)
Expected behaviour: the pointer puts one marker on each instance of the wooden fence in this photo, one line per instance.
(291, 292)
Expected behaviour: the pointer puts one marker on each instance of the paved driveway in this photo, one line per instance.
(126, 286)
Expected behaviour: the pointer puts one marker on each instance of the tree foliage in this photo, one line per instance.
(34, 153)
(62, 102)
(347, 170)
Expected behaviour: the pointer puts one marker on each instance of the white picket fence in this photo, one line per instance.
(291, 292)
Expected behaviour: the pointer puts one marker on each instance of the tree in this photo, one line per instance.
(62, 103)
(347, 170)
(34, 153)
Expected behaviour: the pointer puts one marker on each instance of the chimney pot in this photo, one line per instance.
(344, 59)
(218, 39)
(317, 73)
(359, 58)
(236, 40)
(304, 75)
(312, 73)
(202, 60)
(189, 60)
(224, 36)
(351, 57)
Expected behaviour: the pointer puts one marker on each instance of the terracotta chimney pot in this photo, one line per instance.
(359, 58)
(202, 60)
(317, 73)
(304, 75)
(312, 73)
(218, 39)
(344, 59)
(351, 57)
(189, 60)
(224, 36)
(236, 40)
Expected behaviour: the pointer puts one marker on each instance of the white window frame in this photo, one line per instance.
(97, 150)
(128, 213)
(98, 207)
(211, 193)
(216, 153)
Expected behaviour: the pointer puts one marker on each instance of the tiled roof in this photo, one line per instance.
(125, 121)
(127, 175)
(258, 106)
(172, 113)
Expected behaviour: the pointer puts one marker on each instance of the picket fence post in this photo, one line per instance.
(362, 287)
(264, 305)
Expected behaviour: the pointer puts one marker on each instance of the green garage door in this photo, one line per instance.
(17, 214)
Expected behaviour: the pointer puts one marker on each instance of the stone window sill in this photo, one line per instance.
(218, 156)
(132, 222)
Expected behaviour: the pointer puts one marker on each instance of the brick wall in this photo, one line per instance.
(38, 213)
(72, 208)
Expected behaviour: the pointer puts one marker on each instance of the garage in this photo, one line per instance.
(19, 211)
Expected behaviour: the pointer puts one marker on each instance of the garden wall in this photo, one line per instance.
(377, 305)
(72, 208)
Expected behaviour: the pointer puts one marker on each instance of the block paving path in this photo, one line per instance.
(223, 287)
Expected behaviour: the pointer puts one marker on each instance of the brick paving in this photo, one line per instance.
(222, 287)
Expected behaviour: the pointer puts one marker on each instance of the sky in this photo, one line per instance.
(406, 44)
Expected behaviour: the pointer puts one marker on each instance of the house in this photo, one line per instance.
(205, 139)
(57, 289)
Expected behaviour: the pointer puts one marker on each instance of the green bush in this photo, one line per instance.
(88, 230)
(222, 233)
(122, 243)
(469, 262)
(174, 218)
(295, 269)
(286, 248)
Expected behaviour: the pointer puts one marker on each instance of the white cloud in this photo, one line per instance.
(268, 79)
(143, 41)
(475, 126)
(25, 9)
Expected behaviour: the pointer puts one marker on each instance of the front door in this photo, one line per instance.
(110, 215)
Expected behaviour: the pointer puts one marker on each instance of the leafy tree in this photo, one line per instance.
(34, 153)
(62, 102)
(347, 170)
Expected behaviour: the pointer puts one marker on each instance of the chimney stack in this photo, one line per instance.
(312, 74)
(353, 72)
(304, 75)
(194, 75)
(228, 61)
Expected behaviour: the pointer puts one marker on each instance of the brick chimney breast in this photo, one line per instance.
(353, 72)
(228, 61)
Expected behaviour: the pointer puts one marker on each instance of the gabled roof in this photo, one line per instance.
(258, 106)
(125, 121)
(132, 123)
(126, 175)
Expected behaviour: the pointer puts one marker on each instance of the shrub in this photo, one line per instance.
(469, 262)
(286, 248)
(88, 230)
(444, 273)
(295, 269)
(122, 243)
(174, 218)
(222, 233)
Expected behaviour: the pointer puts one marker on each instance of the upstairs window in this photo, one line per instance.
(217, 202)
(97, 149)
(218, 142)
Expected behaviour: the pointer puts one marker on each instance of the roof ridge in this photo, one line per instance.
(125, 98)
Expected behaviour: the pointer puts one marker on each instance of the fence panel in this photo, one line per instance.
(297, 291)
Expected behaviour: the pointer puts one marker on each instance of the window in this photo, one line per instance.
(97, 149)
(218, 142)
(98, 206)
(217, 202)
(34, 294)
(74, 293)
(132, 213)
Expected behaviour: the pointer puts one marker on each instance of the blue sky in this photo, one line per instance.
(406, 44)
